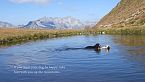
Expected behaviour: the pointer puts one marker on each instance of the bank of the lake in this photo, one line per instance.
(14, 36)
(136, 30)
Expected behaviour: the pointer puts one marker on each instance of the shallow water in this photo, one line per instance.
(56, 60)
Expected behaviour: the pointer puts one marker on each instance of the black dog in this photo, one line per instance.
(97, 46)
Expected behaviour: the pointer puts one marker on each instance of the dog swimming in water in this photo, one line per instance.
(98, 47)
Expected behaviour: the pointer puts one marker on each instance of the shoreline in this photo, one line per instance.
(14, 36)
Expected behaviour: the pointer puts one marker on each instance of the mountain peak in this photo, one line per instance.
(55, 23)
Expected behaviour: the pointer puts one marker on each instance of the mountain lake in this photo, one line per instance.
(53, 60)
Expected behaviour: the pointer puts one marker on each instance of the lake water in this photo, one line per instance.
(51, 61)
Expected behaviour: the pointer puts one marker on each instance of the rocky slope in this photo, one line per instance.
(126, 13)
(56, 23)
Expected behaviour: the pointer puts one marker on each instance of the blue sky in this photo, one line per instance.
(22, 11)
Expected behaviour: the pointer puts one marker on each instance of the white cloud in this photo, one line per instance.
(31, 1)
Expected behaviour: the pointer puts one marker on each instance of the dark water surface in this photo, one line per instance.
(53, 60)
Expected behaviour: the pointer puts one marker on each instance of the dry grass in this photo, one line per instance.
(122, 11)
(20, 35)
(13, 36)
(130, 30)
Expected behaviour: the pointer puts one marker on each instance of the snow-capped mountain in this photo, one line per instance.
(89, 24)
(55, 23)
(52, 23)
(5, 25)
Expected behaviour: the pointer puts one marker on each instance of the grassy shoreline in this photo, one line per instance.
(136, 30)
(14, 36)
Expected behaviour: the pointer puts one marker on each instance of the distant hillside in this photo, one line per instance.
(127, 12)
(5, 25)
(57, 23)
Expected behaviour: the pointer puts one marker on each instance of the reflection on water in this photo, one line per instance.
(131, 40)
(66, 60)
(134, 46)
(136, 43)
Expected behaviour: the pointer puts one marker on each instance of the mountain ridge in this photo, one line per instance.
(127, 12)
(5, 25)
(57, 23)
(52, 23)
